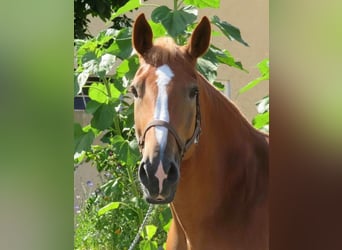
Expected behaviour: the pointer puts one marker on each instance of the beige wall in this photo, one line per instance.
(251, 17)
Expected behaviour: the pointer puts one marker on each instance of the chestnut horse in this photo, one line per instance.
(199, 153)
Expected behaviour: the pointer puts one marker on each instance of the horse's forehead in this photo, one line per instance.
(166, 74)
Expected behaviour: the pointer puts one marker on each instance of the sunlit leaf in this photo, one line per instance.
(108, 207)
(263, 67)
(150, 231)
(204, 3)
(130, 5)
(260, 120)
(148, 245)
(157, 29)
(98, 92)
(167, 226)
(127, 68)
(251, 84)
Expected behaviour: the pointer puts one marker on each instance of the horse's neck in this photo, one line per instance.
(227, 171)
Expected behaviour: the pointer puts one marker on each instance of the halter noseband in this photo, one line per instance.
(182, 147)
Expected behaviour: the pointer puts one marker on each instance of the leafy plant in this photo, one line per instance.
(261, 120)
(101, 9)
(116, 210)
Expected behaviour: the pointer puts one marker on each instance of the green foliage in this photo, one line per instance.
(203, 3)
(174, 21)
(99, 8)
(110, 217)
(264, 69)
(261, 120)
(230, 31)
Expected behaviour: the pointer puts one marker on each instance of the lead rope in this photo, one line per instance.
(143, 224)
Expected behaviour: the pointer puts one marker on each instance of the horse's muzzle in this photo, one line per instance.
(159, 180)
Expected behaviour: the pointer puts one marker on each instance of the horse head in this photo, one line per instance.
(166, 106)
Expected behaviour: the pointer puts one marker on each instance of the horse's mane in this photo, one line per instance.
(220, 102)
(164, 51)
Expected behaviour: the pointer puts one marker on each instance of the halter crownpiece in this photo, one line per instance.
(182, 147)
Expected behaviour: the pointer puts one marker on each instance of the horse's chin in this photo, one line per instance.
(160, 199)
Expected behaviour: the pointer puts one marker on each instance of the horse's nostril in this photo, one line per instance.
(172, 174)
(143, 173)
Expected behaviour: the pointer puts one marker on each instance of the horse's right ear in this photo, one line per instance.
(142, 35)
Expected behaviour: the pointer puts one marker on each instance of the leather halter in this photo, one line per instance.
(183, 147)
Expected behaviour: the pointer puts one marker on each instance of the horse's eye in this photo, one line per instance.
(193, 92)
(134, 91)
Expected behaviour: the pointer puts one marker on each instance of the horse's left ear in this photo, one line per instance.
(142, 35)
(200, 39)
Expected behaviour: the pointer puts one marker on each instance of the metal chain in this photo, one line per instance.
(143, 224)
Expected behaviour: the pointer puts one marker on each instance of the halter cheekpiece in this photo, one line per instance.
(183, 147)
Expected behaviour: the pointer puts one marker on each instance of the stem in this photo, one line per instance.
(117, 128)
(107, 84)
(175, 3)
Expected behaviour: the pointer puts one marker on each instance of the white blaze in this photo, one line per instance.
(161, 112)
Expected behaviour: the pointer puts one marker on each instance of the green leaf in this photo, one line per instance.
(203, 3)
(115, 93)
(219, 85)
(88, 57)
(82, 140)
(92, 106)
(157, 29)
(98, 92)
(260, 120)
(150, 231)
(207, 68)
(230, 31)
(122, 45)
(108, 207)
(264, 67)
(148, 245)
(127, 68)
(218, 55)
(167, 226)
(174, 21)
(127, 151)
(103, 117)
(130, 5)
(251, 84)
(128, 155)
